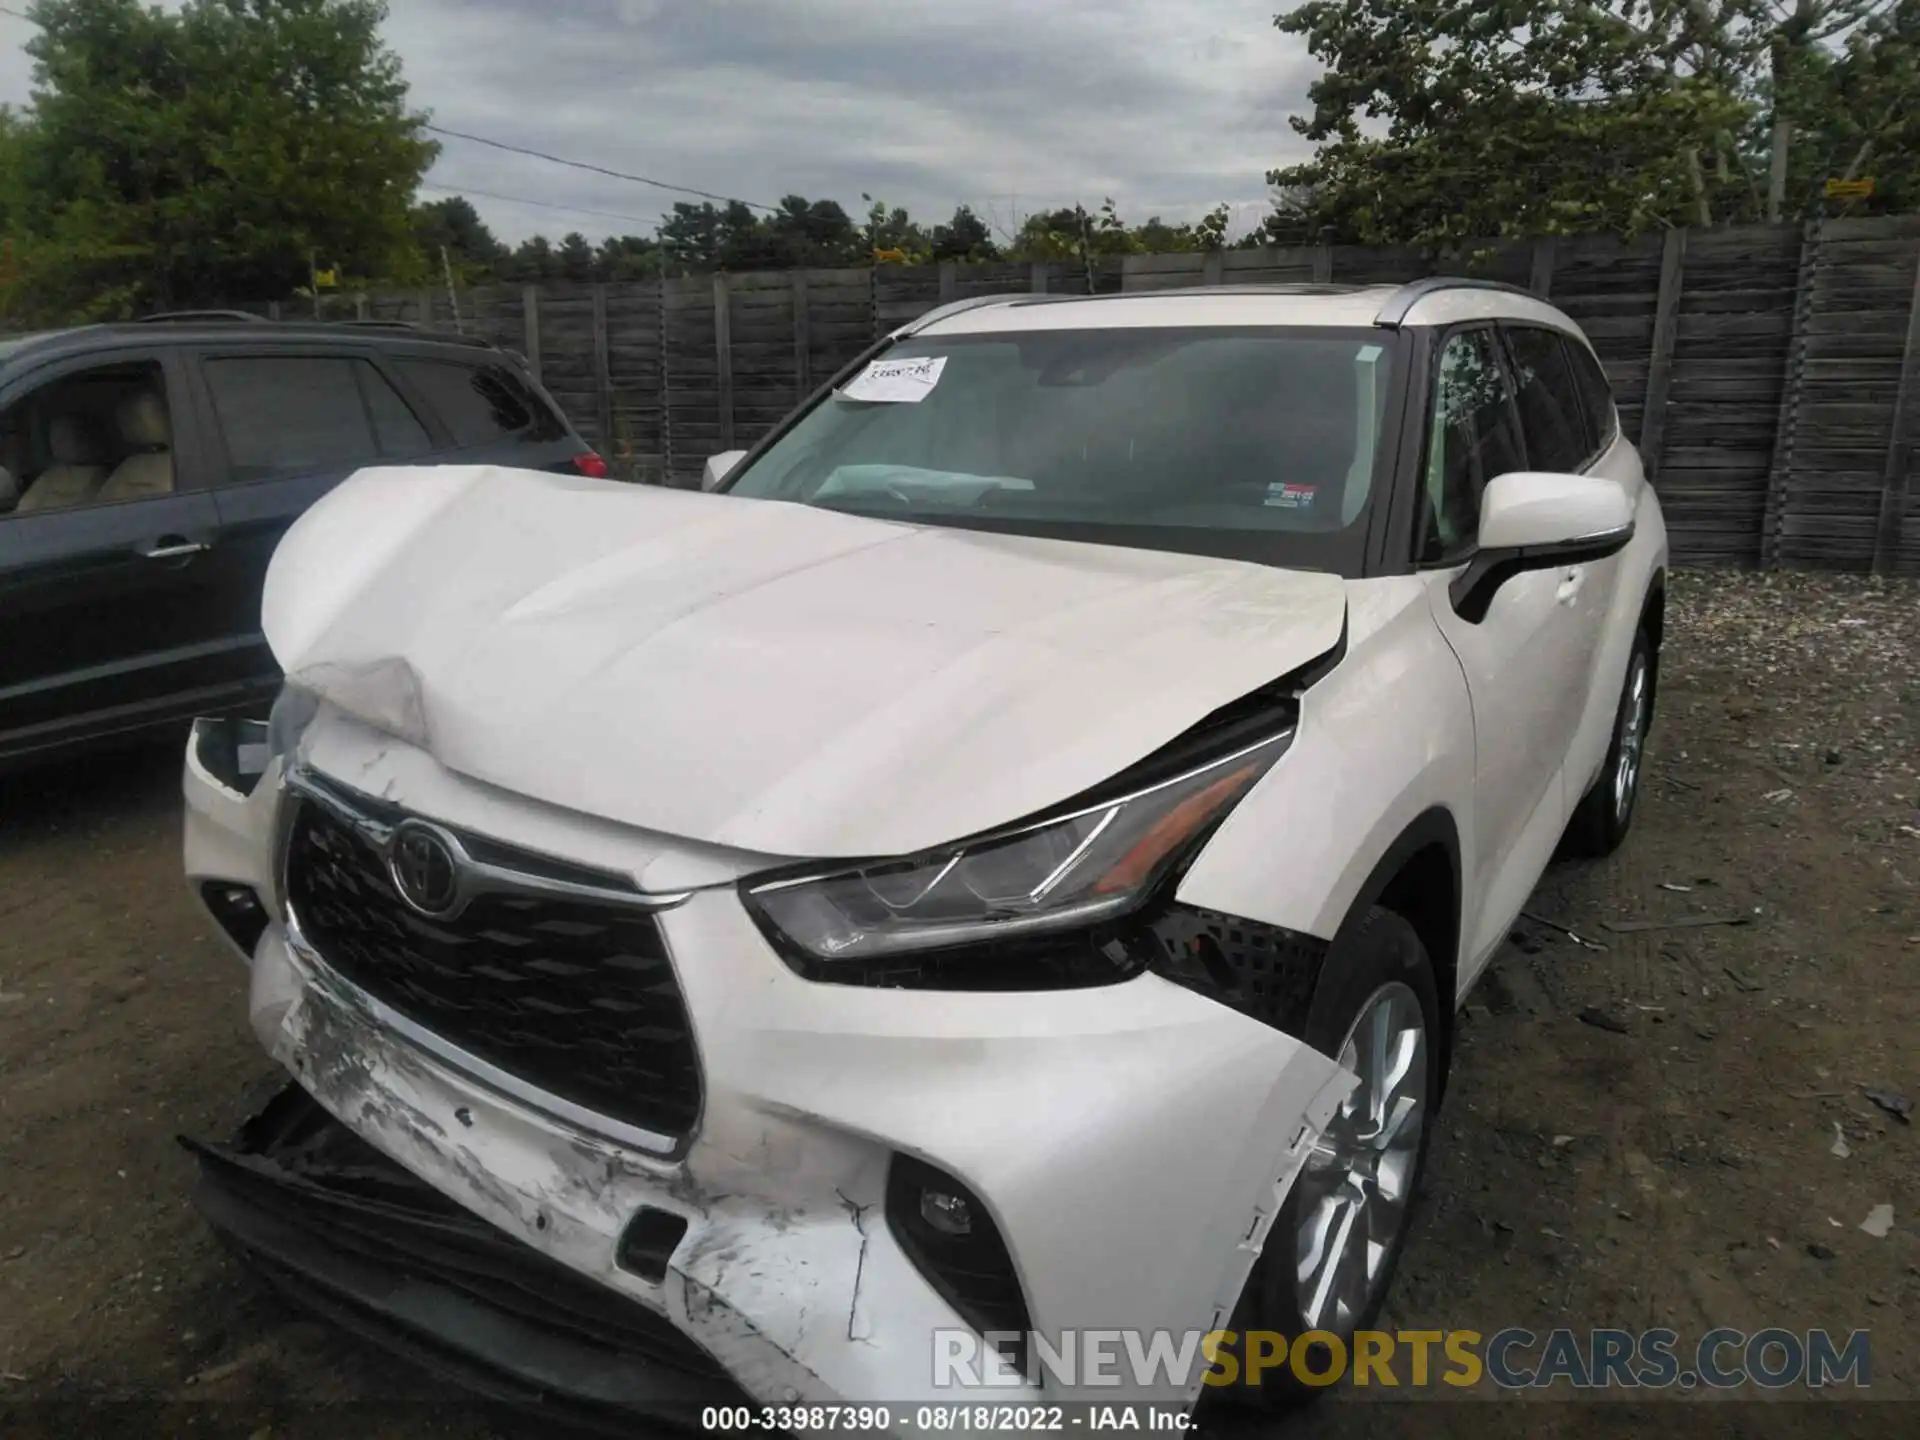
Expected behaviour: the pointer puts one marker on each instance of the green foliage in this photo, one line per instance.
(1443, 120)
(454, 226)
(173, 158)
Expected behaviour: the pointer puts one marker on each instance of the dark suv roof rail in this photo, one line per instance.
(408, 327)
(187, 317)
(1400, 304)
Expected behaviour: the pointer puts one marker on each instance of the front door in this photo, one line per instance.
(1521, 660)
(109, 611)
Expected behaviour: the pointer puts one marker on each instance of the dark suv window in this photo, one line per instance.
(298, 414)
(1549, 404)
(481, 404)
(1596, 396)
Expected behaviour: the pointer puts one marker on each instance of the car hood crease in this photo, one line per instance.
(762, 675)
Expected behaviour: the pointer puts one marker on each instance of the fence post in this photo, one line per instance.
(723, 354)
(530, 327)
(1323, 264)
(602, 372)
(1213, 267)
(1786, 424)
(1540, 282)
(425, 301)
(949, 280)
(273, 309)
(1666, 331)
(1037, 279)
(1906, 405)
(361, 306)
(802, 339)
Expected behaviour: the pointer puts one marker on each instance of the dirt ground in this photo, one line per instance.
(1636, 1135)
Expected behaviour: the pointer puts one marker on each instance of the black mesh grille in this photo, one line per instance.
(1259, 970)
(575, 997)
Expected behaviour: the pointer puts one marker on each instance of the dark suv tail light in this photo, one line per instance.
(590, 465)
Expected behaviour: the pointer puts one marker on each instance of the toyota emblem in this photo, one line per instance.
(425, 868)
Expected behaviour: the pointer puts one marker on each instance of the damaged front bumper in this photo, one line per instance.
(342, 1229)
(1127, 1146)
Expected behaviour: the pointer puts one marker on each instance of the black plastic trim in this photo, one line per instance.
(1473, 589)
(1433, 827)
(1263, 971)
(973, 1273)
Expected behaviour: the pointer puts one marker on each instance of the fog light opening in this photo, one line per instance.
(951, 1239)
(237, 910)
(948, 1213)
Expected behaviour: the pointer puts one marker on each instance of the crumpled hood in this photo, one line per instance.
(762, 675)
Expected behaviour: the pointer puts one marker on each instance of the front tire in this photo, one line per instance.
(1329, 1260)
(1605, 814)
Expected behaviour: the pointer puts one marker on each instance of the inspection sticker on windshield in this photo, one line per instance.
(1289, 496)
(896, 382)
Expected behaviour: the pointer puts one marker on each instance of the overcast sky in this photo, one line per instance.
(1006, 105)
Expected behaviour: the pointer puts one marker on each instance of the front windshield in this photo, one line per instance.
(1260, 444)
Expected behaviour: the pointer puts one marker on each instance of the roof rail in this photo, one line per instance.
(172, 317)
(1394, 313)
(379, 324)
(959, 307)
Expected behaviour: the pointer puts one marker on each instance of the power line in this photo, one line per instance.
(537, 204)
(596, 169)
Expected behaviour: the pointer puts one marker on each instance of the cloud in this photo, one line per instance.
(1001, 104)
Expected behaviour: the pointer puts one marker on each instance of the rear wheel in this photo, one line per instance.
(1330, 1257)
(1605, 814)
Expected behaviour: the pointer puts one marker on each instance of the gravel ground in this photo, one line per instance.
(1641, 1134)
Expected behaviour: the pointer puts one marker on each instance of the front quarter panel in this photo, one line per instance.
(1387, 736)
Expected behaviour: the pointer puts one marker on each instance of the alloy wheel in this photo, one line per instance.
(1358, 1182)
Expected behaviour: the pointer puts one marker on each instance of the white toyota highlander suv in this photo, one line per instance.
(1004, 864)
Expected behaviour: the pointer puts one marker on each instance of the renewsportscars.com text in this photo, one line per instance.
(1513, 1359)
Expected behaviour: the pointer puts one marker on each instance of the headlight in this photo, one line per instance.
(1069, 870)
(293, 711)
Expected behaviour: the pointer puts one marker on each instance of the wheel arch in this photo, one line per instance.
(1653, 619)
(1419, 878)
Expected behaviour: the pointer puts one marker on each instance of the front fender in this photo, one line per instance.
(1383, 739)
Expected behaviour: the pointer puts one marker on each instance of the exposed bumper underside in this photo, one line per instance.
(343, 1230)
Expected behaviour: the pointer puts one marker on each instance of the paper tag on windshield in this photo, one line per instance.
(896, 382)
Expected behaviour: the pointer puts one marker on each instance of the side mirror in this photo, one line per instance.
(1531, 520)
(719, 467)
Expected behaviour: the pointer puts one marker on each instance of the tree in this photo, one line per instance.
(454, 225)
(812, 232)
(532, 260)
(964, 237)
(893, 236)
(1551, 116)
(577, 259)
(171, 158)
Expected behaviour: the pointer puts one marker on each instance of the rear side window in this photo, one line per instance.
(480, 404)
(301, 414)
(1596, 396)
(1549, 403)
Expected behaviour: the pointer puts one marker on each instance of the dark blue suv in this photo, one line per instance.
(148, 470)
